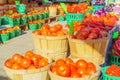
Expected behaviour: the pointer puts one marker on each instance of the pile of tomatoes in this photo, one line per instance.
(47, 30)
(36, 22)
(68, 68)
(78, 8)
(113, 70)
(29, 61)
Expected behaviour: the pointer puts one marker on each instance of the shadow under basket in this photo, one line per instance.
(37, 74)
(92, 50)
(52, 47)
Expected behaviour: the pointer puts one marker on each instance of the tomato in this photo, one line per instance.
(60, 33)
(76, 75)
(58, 26)
(36, 32)
(16, 66)
(29, 54)
(64, 31)
(67, 26)
(63, 70)
(91, 66)
(60, 62)
(35, 60)
(44, 32)
(32, 67)
(16, 57)
(68, 60)
(82, 71)
(53, 69)
(25, 63)
(9, 63)
(73, 68)
(45, 27)
(43, 62)
(81, 63)
(53, 29)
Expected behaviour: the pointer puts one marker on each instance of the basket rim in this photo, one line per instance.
(50, 37)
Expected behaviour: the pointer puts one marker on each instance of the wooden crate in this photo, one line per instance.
(93, 50)
(37, 74)
(53, 47)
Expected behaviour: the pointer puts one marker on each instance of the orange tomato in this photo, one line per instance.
(53, 29)
(68, 60)
(32, 67)
(35, 60)
(60, 62)
(82, 71)
(43, 62)
(53, 69)
(81, 63)
(25, 63)
(16, 57)
(9, 63)
(16, 66)
(29, 54)
(58, 26)
(76, 75)
(44, 32)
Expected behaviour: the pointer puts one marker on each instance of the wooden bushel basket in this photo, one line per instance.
(52, 47)
(93, 50)
(52, 11)
(93, 76)
(37, 74)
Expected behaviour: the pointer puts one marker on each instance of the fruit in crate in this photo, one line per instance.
(28, 61)
(113, 70)
(15, 15)
(47, 30)
(69, 68)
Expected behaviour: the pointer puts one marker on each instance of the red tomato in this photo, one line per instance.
(76, 75)
(60, 62)
(43, 62)
(63, 70)
(9, 63)
(25, 63)
(81, 63)
(73, 68)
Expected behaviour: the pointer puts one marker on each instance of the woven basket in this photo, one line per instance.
(37, 74)
(52, 11)
(52, 47)
(93, 50)
(93, 76)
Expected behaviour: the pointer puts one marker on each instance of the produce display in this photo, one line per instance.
(73, 69)
(78, 8)
(47, 30)
(29, 61)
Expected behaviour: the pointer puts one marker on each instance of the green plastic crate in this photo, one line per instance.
(61, 18)
(17, 32)
(16, 21)
(97, 7)
(74, 17)
(114, 59)
(4, 37)
(23, 20)
(47, 14)
(21, 8)
(4, 20)
(29, 18)
(11, 21)
(39, 16)
(106, 76)
(39, 26)
(34, 17)
(11, 34)
(32, 27)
